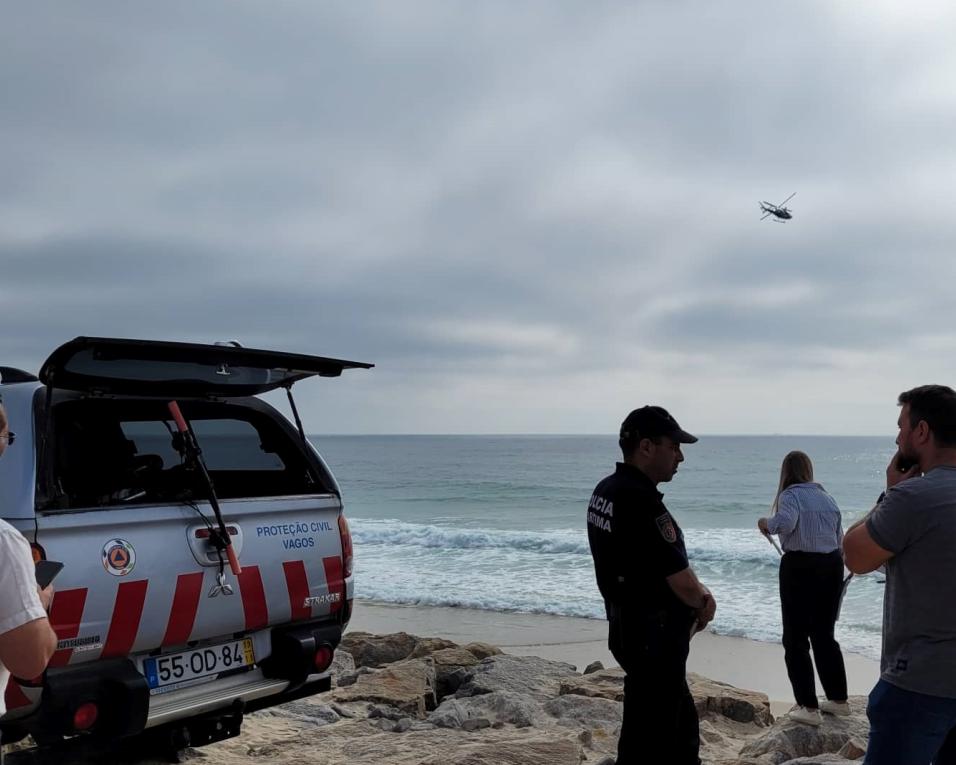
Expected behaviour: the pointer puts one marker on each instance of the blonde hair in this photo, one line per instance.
(796, 468)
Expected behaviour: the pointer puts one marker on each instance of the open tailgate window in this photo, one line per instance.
(155, 368)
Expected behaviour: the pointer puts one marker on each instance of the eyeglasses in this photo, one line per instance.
(10, 437)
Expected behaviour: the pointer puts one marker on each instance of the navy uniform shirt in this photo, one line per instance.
(636, 544)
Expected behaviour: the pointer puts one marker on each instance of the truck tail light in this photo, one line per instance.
(323, 658)
(84, 716)
(346, 536)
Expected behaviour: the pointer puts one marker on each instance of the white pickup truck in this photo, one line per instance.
(207, 561)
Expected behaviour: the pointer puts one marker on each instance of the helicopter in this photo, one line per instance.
(781, 212)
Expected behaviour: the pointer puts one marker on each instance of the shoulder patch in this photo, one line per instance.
(665, 525)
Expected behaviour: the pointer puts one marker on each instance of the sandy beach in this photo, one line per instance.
(743, 663)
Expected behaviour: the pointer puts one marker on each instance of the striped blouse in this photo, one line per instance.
(807, 520)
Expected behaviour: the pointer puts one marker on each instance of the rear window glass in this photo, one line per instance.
(225, 444)
(118, 453)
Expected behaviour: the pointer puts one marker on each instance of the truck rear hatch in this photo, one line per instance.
(179, 370)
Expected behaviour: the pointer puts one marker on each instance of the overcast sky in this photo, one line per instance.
(532, 217)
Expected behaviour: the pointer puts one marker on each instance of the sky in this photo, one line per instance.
(532, 217)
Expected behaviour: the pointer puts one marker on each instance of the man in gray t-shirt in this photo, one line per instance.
(912, 532)
(916, 522)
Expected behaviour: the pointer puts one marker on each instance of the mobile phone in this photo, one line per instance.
(47, 571)
(903, 464)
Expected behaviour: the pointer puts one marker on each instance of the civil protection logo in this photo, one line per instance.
(119, 557)
(665, 524)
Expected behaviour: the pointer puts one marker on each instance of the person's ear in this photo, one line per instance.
(923, 433)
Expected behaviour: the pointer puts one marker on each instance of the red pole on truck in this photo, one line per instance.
(193, 452)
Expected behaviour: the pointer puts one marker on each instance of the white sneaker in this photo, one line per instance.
(805, 715)
(838, 708)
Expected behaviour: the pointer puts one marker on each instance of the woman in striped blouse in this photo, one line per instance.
(807, 521)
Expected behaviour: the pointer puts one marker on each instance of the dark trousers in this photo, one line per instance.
(810, 588)
(908, 728)
(660, 720)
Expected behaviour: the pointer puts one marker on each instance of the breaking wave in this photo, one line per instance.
(394, 532)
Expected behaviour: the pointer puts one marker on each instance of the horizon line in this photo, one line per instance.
(601, 435)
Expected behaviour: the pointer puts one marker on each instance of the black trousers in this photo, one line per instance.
(810, 588)
(660, 720)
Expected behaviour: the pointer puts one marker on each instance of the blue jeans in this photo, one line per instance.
(906, 728)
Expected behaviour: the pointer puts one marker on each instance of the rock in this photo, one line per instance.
(369, 650)
(482, 650)
(349, 678)
(526, 675)
(505, 707)
(853, 749)
(541, 751)
(408, 685)
(476, 723)
(729, 718)
(712, 697)
(709, 734)
(594, 666)
(306, 710)
(342, 663)
(341, 711)
(788, 741)
(451, 665)
(453, 657)
(403, 725)
(384, 724)
(363, 743)
(602, 684)
(385, 712)
(587, 712)
(428, 646)
(451, 681)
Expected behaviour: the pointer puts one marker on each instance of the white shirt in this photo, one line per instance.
(19, 602)
(807, 519)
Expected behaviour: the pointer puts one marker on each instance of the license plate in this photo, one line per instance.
(179, 668)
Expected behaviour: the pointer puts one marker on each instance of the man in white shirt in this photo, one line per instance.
(27, 641)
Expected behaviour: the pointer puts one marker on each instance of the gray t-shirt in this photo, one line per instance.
(917, 523)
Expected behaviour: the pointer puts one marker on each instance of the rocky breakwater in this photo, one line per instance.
(405, 700)
(402, 699)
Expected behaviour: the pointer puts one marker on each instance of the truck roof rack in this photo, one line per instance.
(14, 375)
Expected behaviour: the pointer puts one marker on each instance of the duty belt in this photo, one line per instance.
(616, 611)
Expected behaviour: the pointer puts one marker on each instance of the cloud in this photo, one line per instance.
(530, 217)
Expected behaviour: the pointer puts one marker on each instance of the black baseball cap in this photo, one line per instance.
(653, 422)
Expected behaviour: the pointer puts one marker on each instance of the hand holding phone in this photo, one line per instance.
(46, 571)
(903, 464)
(899, 469)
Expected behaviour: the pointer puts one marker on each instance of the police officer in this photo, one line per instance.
(653, 599)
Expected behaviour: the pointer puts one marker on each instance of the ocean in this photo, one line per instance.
(498, 522)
